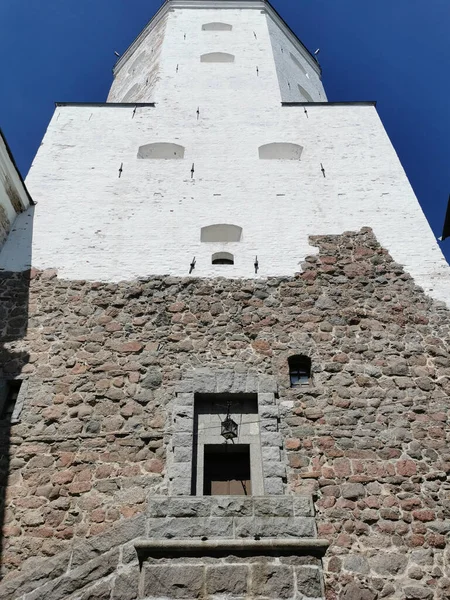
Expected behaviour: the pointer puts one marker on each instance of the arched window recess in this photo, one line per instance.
(305, 94)
(298, 63)
(131, 94)
(217, 27)
(222, 258)
(221, 233)
(217, 57)
(280, 151)
(161, 150)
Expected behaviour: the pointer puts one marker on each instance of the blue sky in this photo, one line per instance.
(394, 51)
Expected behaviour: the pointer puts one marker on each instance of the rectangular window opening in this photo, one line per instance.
(227, 470)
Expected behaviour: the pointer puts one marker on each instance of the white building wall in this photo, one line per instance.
(91, 224)
(163, 65)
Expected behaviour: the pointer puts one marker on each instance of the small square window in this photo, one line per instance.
(299, 370)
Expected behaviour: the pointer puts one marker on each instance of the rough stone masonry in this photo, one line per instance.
(368, 438)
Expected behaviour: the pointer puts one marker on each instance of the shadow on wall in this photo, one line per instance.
(15, 261)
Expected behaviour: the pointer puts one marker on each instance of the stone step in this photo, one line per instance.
(230, 506)
(230, 527)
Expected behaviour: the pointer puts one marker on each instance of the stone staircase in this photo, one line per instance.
(231, 547)
(206, 548)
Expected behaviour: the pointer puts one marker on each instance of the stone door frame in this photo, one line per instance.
(207, 381)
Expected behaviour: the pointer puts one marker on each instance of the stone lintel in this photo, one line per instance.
(244, 547)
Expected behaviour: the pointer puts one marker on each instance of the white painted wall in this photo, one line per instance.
(164, 64)
(91, 224)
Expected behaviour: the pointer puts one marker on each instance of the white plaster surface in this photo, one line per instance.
(91, 224)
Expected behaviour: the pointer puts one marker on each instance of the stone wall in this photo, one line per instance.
(368, 437)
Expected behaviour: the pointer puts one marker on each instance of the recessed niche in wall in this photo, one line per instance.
(305, 94)
(131, 92)
(160, 150)
(217, 57)
(298, 63)
(222, 258)
(217, 27)
(280, 151)
(221, 233)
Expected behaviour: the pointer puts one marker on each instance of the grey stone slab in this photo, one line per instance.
(158, 506)
(181, 454)
(182, 410)
(269, 412)
(125, 585)
(271, 439)
(227, 580)
(266, 399)
(190, 527)
(275, 527)
(230, 506)
(274, 507)
(185, 386)
(78, 578)
(267, 384)
(35, 577)
(181, 486)
(184, 425)
(270, 581)
(303, 506)
(273, 486)
(240, 383)
(205, 383)
(224, 381)
(182, 439)
(251, 383)
(174, 581)
(309, 582)
(185, 399)
(269, 425)
(179, 507)
(270, 453)
(179, 470)
(274, 469)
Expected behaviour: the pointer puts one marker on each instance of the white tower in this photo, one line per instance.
(217, 154)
